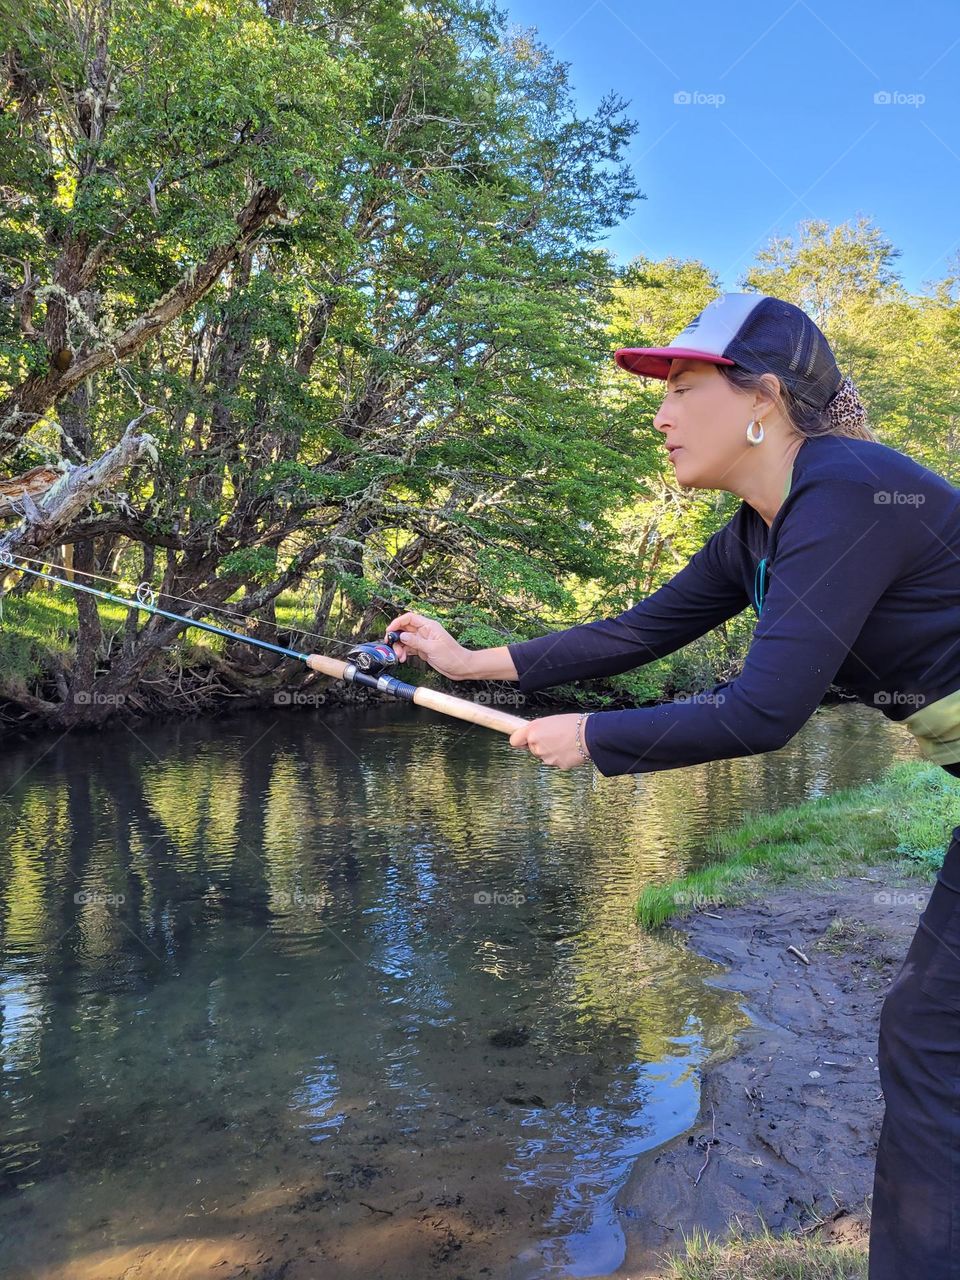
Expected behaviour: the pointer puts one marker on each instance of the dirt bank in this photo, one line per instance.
(789, 1118)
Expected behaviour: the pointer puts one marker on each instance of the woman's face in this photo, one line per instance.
(704, 420)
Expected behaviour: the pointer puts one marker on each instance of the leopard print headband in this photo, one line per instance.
(846, 410)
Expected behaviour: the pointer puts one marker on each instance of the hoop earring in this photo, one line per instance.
(754, 439)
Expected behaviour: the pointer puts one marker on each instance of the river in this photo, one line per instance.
(347, 993)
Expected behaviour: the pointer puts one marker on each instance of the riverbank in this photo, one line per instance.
(902, 821)
(785, 1138)
(202, 674)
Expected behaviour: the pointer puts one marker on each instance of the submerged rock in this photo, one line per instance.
(509, 1037)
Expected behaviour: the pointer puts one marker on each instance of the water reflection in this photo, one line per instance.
(361, 988)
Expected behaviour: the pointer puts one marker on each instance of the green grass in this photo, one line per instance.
(41, 622)
(905, 818)
(45, 621)
(842, 936)
(766, 1257)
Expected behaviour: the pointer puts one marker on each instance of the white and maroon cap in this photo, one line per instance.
(756, 332)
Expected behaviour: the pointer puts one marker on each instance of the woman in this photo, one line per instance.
(849, 552)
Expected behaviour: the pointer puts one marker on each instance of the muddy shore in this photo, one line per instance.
(789, 1119)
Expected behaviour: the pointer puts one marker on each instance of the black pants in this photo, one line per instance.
(915, 1223)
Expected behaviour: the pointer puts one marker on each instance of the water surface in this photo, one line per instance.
(351, 993)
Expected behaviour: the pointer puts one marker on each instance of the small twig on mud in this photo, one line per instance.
(713, 1139)
(795, 951)
(373, 1209)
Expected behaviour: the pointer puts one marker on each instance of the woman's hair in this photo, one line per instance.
(845, 415)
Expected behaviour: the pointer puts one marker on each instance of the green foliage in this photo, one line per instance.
(899, 349)
(357, 588)
(26, 632)
(646, 684)
(412, 349)
(401, 378)
(827, 268)
(254, 564)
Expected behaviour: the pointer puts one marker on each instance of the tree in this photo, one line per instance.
(826, 268)
(901, 350)
(348, 254)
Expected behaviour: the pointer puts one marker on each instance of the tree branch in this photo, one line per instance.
(46, 519)
(21, 409)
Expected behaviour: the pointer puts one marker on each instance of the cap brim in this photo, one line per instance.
(654, 362)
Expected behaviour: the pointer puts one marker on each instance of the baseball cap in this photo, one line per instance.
(756, 332)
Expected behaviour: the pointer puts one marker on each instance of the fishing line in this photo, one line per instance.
(143, 590)
(367, 664)
(144, 599)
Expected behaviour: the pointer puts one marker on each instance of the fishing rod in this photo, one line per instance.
(77, 574)
(366, 664)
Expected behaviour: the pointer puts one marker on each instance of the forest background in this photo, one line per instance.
(305, 314)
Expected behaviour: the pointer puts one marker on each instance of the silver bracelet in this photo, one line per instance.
(580, 747)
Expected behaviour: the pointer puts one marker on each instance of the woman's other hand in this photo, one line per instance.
(552, 739)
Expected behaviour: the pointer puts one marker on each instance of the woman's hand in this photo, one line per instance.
(428, 639)
(553, 740)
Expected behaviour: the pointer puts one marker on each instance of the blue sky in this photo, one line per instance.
(782, 125)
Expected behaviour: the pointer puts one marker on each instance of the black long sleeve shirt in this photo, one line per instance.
(862, 590)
